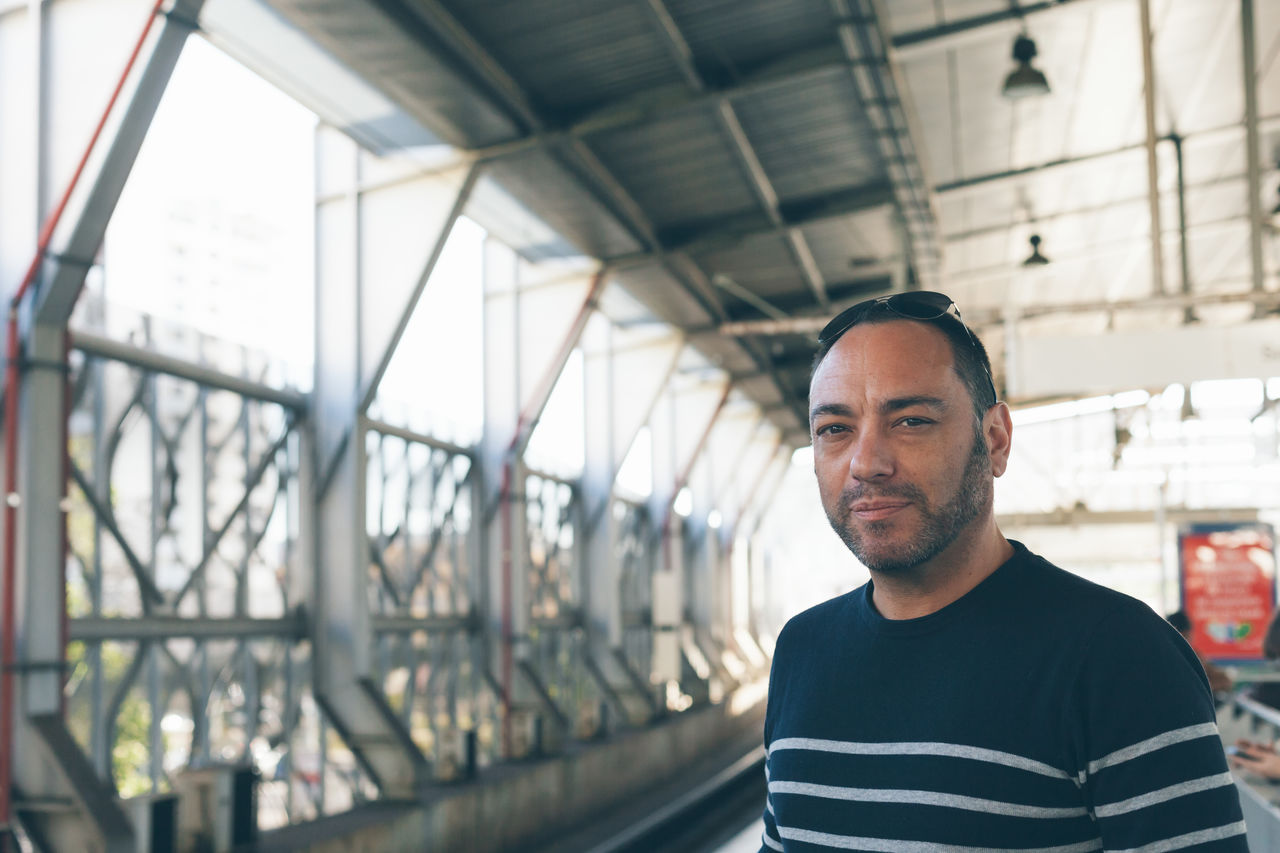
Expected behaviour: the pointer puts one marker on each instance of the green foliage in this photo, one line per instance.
(130, 751)
(130, 755)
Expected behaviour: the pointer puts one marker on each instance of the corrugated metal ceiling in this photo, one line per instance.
(732, 146)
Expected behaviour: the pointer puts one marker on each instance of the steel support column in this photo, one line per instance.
(710, 579)
(1253, 159)
(758, 462)
(1153, 163)
(531, 327)
(48, 762)
(624, 374)
(369, 249)
(681, 424)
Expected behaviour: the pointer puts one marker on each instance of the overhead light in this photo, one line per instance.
(1035, 259)
(1025, 81)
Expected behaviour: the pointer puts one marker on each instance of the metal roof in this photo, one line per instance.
(768, 160)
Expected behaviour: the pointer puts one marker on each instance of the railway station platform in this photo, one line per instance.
(406, 430)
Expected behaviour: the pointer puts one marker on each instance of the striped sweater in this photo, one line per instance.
(1038, 712)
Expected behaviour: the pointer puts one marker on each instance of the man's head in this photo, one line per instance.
(969, 355)
(904, 453)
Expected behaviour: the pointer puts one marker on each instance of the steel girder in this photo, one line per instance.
(191, 591)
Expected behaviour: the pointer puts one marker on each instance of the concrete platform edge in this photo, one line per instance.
(515, 806)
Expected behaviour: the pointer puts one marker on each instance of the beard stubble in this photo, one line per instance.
(939, 525)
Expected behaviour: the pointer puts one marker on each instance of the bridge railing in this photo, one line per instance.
(424, 596)
(1260, 799)
(186, 645)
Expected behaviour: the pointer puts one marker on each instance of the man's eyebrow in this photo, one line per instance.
(887, 407)
(838, 409)
(900, 403)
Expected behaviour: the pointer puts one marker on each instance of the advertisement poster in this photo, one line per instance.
(1228, 574)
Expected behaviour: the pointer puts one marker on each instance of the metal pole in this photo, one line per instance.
(1153, 167)
(1254, 183)
(155, 736)
(99, 748)
(1188, 313)
(1162, 495)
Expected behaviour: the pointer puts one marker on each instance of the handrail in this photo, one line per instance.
(1260, 710)
(97, 346)
(96, 629)
(415, 437)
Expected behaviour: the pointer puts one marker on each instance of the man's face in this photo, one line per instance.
(902, 470)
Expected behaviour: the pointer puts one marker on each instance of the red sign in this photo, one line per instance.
(1228, 587)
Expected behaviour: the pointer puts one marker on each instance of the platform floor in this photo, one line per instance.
(747, 841)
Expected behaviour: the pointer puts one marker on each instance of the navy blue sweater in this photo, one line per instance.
(1039, 711)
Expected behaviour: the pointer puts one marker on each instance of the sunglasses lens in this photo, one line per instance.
(915, 305)
(920, 304)
(842, 321)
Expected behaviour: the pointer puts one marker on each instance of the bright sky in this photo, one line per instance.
(226, 151)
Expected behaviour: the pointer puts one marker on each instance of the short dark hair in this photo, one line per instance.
(971, 362)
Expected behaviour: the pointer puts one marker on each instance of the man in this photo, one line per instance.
(971, 696)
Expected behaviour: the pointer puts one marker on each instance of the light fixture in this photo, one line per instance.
(1025, 81)
(1035, 259)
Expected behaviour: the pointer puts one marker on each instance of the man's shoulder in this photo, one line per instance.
(1084, 605)
(1045, 575)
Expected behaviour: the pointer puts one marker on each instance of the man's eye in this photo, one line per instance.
(831, 429)
(915, 422)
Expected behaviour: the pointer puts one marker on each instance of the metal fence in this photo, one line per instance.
(188, 636)
(185, 644)
(425, 595)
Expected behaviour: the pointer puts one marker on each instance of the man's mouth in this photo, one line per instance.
(877, 510)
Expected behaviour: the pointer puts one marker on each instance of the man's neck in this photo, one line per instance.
(932, 585)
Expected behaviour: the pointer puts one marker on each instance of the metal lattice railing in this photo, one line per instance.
(424, 593)
(186, 648)
(559, 657)
(635, 554)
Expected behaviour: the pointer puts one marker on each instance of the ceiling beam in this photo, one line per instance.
(646, 107)
(474, 60)
(753, 170)
(800, 213)
(862, 37)
(1267, 301)
(979, 27)
(1265, 125)
(1091, 210)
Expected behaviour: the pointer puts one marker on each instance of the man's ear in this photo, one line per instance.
(997, 429)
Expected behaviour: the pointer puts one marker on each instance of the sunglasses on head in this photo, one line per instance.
(924, 305)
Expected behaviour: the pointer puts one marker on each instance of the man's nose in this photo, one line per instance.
(871, 457)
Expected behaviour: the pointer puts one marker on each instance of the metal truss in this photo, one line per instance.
(558, 663)
(190, 636)
(265, 579)
(186, 645)
(424, 597)
(635, 554)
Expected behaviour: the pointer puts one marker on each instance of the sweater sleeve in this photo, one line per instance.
(770, 840)
(1147, 751)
